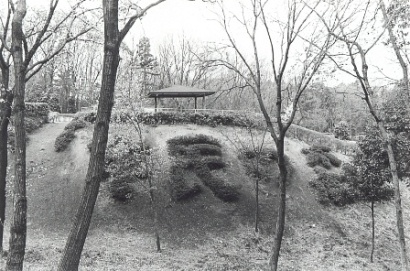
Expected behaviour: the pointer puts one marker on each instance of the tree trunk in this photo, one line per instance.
(397, 197)
(154, 212)
(257, 194)
(373, 222)
(18, 228)
(280, 223)
(78, 234)
(5, 76)
(5, 119)
(7, 96)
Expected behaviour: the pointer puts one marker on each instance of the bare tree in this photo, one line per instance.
(113, 38)
(394, 44)
(19, 227)
(281, 37)
(6, 102)
(24, 69)
(254, 151)
(352, 18)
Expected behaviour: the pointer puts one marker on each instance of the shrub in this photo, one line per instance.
(332, 189)
(320, 148)
(196, 157)
(90, 117)
(120, 189)
(319, 155)
(123, 157)
(68, 135)
(210, 119)
(248, 154)
(273, 155)
(318, 159)
(336, 162)
(181, 187)
(347, 188)
(33, 123)
(206, 149)
(37, 110)
(63, 140)
(194, 139)
(35, 117)
(267, 169)
(212, 162)
(75, 124)
(305, 151)
(86, 116)
(177, 150)
(341, 131)
(222, 190)
(194, 151)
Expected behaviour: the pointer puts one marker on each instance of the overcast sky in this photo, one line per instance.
(194, 20)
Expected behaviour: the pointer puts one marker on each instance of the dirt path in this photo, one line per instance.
(53, 179)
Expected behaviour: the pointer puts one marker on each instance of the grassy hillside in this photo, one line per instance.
(204, 232)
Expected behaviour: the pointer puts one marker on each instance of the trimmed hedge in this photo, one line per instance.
(194, 150)
(212, 162)
(64, 140)
(336, 162)
(195, 157)
(209, 119)
(320, 148)
(90, 117)
(237, 120)
(37, 110)
(181, 187)
(318, 155)
(75, 124)
(193, 139)
(318, 159)
(221, 189)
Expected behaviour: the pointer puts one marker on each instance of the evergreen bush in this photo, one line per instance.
(75, 124)
(319, 155)
(336, 162)
(195, 157)
(181, 187)
(221, 189)
(341, 131)
(120, 189)
(64, 140)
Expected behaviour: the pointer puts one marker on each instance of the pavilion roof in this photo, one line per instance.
(180, 91)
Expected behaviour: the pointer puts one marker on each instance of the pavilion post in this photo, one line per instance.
(156, 104)
(203, 102)
(195, 103)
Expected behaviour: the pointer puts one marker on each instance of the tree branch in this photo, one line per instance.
(133, 19)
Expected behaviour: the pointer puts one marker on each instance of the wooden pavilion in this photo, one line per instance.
(178, 91)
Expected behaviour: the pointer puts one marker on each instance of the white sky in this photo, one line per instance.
(177, 18)
(193, 19)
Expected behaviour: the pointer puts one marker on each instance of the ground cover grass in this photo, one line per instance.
(203, 233)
